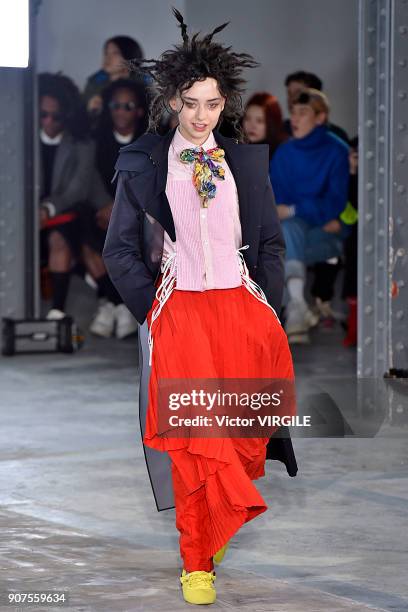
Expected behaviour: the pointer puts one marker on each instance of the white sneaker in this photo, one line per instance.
(103, 322)
(54, 314)
(299, 318)
(126, 324)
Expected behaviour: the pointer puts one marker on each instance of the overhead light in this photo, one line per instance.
(14, 33)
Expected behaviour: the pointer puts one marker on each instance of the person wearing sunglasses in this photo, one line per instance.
(122, 120)
(66, 170)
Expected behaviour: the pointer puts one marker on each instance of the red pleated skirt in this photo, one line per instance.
(218, 333)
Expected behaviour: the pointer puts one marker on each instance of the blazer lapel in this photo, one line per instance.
(150, 186)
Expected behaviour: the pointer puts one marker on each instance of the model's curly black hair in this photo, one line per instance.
(177, 69)
(64, 90)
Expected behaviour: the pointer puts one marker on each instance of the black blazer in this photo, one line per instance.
(134, 242)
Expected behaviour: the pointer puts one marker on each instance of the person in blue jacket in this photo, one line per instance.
(310, 177)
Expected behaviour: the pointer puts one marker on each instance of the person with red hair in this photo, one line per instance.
(263, 121)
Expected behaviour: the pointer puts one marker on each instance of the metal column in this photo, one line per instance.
(399, 186)
(383, 74)
(12, 193)
(19, 283)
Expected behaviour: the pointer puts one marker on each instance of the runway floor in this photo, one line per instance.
(77, 513)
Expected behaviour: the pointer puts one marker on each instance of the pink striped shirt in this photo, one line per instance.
(206, 238)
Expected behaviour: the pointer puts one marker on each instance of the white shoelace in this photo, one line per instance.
(164, 290)
(250, 284)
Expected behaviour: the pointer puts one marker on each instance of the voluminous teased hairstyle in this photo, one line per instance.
(196, 59)
(64, 90)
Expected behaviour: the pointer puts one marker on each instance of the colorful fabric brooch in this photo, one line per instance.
(204, 170)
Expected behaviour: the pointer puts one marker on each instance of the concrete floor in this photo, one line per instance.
(77, 513)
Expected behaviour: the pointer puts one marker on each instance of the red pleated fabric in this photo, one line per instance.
(218, 333)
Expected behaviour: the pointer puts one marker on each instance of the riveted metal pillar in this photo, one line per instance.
(19, 286)
(399, 186)
(12, 193)
(382, 185)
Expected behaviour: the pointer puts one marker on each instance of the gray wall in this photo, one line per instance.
(320, 36)
(71, 33)
(284, 35)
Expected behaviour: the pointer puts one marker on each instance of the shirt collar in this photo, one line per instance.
(121, 139)
(180, 143)
(51, 141)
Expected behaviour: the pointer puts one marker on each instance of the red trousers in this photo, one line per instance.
(218, 333)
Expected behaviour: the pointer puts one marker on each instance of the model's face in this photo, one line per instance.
(125, 111)
(199, 110)
(254, 123)
(293, 90)
(303, 120)
(51, 120)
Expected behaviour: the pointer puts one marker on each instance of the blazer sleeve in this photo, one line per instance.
(98, 195)
(122, 253)
(271, 256)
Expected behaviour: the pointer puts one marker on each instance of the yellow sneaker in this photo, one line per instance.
(198, 587)
(219, 555)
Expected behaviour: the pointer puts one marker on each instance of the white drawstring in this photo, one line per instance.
(250, 284)
(163, 293)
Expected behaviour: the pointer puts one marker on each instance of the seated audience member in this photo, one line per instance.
(295, 83)
(325, 272)
(66, 171)
(263, 122)
(116, 51)
(310, 176)
(350, 248)
(123, 119)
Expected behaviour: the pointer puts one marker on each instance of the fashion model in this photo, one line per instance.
(195, 249)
